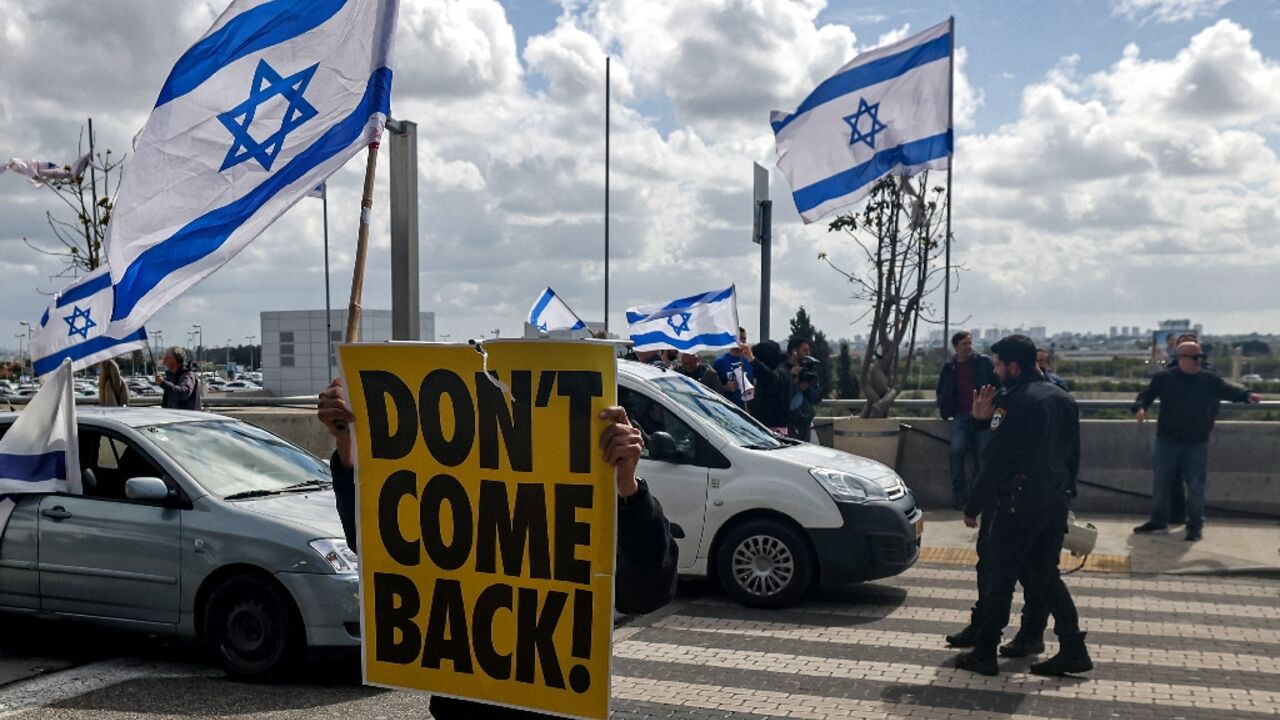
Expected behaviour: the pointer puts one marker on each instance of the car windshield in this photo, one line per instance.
(232, 458)
(727, 418)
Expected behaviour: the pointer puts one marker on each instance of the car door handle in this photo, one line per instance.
(57, 513)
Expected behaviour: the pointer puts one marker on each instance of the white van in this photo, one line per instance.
(765, 516)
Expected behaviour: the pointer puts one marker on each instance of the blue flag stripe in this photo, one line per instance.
(34, 468)
(49, 363)
(842, 183)
(873, 73)
(540, 306)
(207, 233)
(84, 290)
(675, 305)
(268, 24)
(713, 339)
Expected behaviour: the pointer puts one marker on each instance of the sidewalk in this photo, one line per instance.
(1229, 546)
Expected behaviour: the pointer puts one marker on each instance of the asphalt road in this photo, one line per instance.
(1164, 647)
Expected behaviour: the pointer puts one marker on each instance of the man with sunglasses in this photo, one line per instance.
(1189, 398)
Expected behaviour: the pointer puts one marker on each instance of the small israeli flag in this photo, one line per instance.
(274, 99)
(887, 112)
(550, 313)
(77, 327)
(708, 321)
(41, 453)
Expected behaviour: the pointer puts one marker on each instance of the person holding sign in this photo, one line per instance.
(646, 556)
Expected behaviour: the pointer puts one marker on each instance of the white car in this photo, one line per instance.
(1251, 378)
(238, 386)
(764, 515)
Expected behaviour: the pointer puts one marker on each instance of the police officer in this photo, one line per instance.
(1029, 467)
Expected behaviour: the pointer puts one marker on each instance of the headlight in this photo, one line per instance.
(848, 488)
(337, 554)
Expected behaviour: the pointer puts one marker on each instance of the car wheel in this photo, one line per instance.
(765, 563)
(252, 627)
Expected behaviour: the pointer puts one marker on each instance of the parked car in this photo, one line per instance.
(236, 386)
(764, 515)
(193, 524)
(1251, 378)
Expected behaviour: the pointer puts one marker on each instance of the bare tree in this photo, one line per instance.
(90, 197)
(900, 234)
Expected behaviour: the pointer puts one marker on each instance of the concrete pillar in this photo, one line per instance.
(404, 230)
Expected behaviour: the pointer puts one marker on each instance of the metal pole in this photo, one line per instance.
(946, 297)
(766, 264)
(328, 308)
(406, 320)
(607, 61)
(362, 247)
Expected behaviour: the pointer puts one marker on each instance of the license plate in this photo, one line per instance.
(920, 527)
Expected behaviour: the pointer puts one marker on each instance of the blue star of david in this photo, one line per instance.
(868, 137)
(542, 327)
(682, 326)
(267, 84)
(83, 329)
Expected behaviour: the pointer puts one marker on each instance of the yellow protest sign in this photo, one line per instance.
(486, 520)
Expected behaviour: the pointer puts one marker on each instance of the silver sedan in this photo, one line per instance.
(192, 524)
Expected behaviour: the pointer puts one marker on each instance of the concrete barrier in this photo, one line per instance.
(1244, 457)
(1244, 461)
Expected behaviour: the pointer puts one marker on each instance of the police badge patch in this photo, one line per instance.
(996, 418)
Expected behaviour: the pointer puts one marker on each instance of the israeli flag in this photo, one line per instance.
(708, 321)
(887, 112)
(274, 99)
(549, 313)
(41, 453)
(77, 327)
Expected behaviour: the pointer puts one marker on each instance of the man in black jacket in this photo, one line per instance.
(179, 382)
(645, 571)
(1029, 468)
(962, 375)
(1189, 399)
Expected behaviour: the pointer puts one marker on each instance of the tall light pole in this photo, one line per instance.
(28, 326)
(228, 352)
(199, 331)
(191, 338)
(21, 358)
(156, 336)
(250, 338)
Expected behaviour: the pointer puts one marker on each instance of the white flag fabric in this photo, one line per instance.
(887, 112)
(42, 171)
(744, 384)
(77, 327)
(274, 99)
(550, 313)
(41, 453)
(319, 191)
(708, 321)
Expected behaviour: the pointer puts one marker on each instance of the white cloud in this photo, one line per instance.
(1167, 11)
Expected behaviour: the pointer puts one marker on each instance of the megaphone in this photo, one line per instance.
(1081, 537)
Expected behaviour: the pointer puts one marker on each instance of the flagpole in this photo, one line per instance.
(946, 301)
(362, 246)
(328, 307)
(606, 195)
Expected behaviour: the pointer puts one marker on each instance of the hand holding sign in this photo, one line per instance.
(622, 445)
(332, 410)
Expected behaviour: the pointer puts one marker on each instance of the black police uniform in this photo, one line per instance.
(1029, 467)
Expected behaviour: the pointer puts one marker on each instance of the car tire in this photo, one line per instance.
(765, 564)
(253, 628)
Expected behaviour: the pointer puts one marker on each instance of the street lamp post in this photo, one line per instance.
(250, 338)
(228, 352)
(28, 326)
(199, 331)
(22, 359)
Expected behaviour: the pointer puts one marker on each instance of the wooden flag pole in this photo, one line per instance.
(362, 247)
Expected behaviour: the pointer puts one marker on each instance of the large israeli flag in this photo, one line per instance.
(887, 111)
(274, 98)
(41, 453)
(77, 327)
(708, 321)
(549, 313)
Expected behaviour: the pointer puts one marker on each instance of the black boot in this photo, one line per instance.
(1023, 644)
(965, 638)
(1073, 657)
(981, 660)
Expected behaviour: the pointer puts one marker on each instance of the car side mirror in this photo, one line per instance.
(146, 488)
(663, 447)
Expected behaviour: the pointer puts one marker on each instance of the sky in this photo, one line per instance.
(1116, 160)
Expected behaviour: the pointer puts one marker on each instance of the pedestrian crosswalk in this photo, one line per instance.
(1164, 648)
